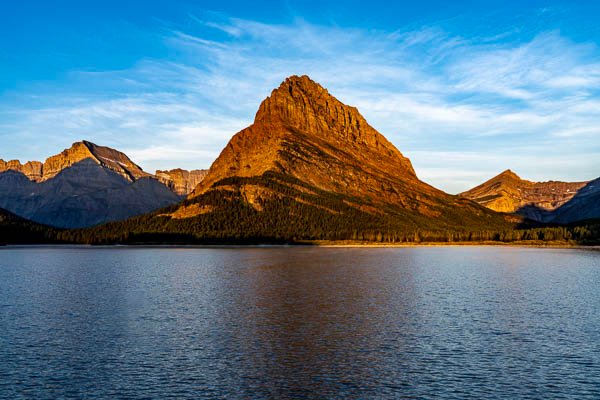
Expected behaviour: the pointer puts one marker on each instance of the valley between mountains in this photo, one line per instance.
(309, 168)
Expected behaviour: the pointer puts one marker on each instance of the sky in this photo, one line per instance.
(465, 89)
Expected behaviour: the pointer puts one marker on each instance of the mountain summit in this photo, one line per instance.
(302, 131)
(83, 185)
(507, 192)
(312, 167)
(304, 105)
(104, 156)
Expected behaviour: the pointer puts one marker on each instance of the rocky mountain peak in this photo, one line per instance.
(309, 160)
(83, 185)
(111, 159)
(509, 174)
(303, 104)
(105, 156)
(303, 132)
(507, 192)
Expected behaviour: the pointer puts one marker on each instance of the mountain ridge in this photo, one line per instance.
(81, 186)
(308, 168)
(507, 192)
(102, 155)
(181, 181)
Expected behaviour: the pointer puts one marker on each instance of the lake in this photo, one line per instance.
(299, 322)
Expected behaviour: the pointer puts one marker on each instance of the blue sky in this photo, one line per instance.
(465, 89)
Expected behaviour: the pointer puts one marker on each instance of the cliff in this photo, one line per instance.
(181, 181)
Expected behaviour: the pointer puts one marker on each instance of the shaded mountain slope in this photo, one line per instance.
(585, 205)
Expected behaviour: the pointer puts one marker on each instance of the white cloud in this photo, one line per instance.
(426, 90)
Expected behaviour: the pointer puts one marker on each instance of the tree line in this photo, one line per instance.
(294, 213)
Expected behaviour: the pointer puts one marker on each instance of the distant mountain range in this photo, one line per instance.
(308, 168)
(551, 202)
(87, 185)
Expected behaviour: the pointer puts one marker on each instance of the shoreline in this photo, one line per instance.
(532, 244)
(315, 244)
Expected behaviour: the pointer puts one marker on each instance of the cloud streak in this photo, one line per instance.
(530, 106)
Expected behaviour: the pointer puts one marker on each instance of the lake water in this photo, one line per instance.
(445, 322)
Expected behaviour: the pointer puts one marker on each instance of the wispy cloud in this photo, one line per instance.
(432, 93)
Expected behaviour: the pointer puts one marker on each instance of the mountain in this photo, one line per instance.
(314, 145)
(104, 156)
(304, 132)
(539, 201)
(31, 169)
(181, 181)
(311, 167)
(82, 186)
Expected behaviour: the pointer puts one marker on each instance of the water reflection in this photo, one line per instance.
(299, 322)
(318, 317)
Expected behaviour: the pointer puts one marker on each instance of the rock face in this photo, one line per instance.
(82, 186)
(103, 156)
(303, 131)
(181, 181)
(31, 169)
(508, 193)
(310, 163)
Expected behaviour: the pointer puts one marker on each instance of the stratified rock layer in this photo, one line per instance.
(303, 131)
(31, 169)
(181, 181)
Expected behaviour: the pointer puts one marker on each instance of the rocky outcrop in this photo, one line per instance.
(181, 181)
(103, 156)
(31, 169)
(508, 193)
(303, 131)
